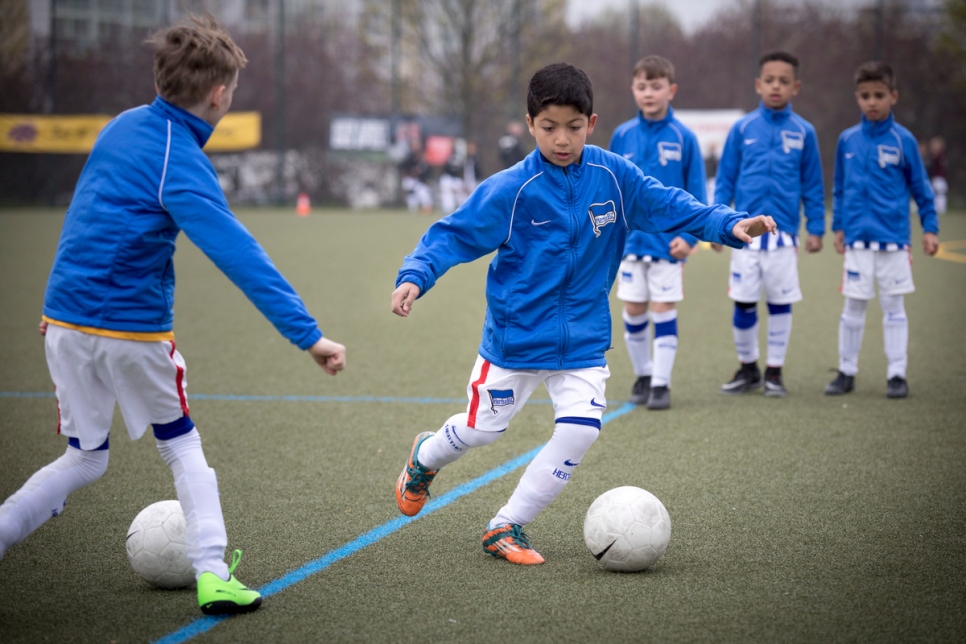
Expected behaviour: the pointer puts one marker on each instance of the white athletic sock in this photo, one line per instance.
(196, 485)
(665, 346)
(895, 333)
(745, 329)
(637, 339)
(452, 440)
(779, 331)
(44, 495)
(547, 474)
(851, 329)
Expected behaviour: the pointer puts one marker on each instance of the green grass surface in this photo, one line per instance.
(801, 519)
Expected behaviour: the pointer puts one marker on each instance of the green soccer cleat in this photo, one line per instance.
(219, 597)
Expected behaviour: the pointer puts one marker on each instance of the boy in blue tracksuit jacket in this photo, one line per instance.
(770, 164)
(877, 167)
(108, 310)
(558, 221)
(652, 268)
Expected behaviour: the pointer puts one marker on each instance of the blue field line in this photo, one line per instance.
(255, 398)
(205, 624)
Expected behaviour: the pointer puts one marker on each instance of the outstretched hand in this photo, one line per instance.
(403, 298)
(329, 355)
(746, 229)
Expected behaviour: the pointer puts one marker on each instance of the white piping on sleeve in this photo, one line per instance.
(164, 170)
(513, 211)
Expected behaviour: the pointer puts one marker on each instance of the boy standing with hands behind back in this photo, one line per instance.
(652, 269)
(770, 164)
(877, 166)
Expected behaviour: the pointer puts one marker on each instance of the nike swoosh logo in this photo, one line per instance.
(603, 552)
(569, 464)
(628, 155)
(750, 141)
(849, 155)
(593, 401)
(539, 223)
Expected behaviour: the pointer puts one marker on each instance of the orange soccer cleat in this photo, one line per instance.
(510, 543)
(412, 487)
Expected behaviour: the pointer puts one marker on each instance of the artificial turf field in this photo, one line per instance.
(804, 519)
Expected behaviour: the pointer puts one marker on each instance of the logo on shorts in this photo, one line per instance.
(626, 277)
(792, 141)
(602, 214)
(668, 152)
(736, 277)
(500, 398)
(852, 275)
(888, 155)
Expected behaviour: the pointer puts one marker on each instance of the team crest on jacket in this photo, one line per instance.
(888, 155)
(500, 398)
(792, 141)
(602, 214)
(667, 151)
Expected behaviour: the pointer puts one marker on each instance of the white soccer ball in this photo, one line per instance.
(156, 546)
(627, 529)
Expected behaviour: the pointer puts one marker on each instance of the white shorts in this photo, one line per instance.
(776, 269)
(650, 281)
(864, 267)
(497, 394)
(91, 372)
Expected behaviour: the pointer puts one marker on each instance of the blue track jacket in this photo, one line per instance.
(770, 165)
(669, 152)
(559, 234)
(877, 165)
(146, 180)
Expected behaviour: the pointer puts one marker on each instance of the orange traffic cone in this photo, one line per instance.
(302, 205)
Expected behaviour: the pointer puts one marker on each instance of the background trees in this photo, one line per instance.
(470, 59)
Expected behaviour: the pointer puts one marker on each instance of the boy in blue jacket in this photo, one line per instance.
(108, 308)
(877, 166)
(653, 266)
(770, 164)
(558, 222)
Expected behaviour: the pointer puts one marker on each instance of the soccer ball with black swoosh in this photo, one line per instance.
(156, 546)
(627, 529)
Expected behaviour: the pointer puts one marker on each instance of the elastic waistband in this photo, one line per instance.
(136, 336)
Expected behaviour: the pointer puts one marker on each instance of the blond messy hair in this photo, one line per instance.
(193, 57)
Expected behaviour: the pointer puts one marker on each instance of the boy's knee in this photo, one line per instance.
(90, 465)
(461, 436)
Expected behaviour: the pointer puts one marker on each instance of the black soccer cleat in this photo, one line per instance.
(660, 398)
(774, 387)
(897, 387)
(842, 384)
(747, 378)
(641, 390)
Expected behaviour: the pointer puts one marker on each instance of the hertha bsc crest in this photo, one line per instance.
(500, 398)
(602, 214)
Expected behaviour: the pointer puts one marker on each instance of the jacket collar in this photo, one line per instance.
(877, 128)
(199, 128)
(775, 116)
(648, 123)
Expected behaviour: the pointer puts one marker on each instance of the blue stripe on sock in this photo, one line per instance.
(779, 309)
(634, 328)
(579, 420)
(662, 329)
(205, 624)
(167, 431)
(73, 442)
(745, 318)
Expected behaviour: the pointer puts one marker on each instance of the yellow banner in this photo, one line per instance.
(60, 134)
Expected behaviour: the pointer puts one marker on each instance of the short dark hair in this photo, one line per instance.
(876, 70)
(192, 57)
(780, 56)
(654, 67)
(560, 84)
